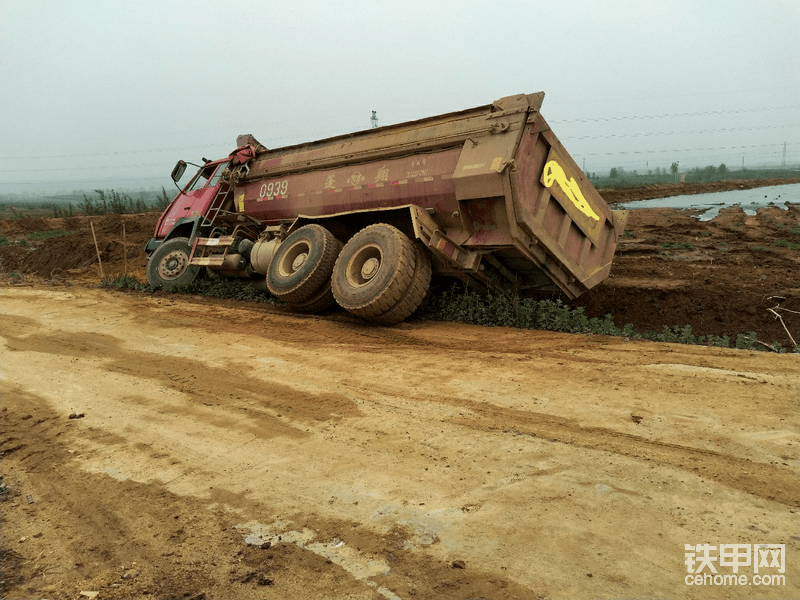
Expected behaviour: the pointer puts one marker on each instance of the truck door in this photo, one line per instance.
(194, 199)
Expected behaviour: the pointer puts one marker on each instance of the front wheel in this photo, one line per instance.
(169, 266)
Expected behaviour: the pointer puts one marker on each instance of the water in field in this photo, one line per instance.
(749, 200)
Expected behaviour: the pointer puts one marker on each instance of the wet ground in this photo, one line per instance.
(709, 205)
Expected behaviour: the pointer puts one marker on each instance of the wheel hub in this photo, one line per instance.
(369, 268)
(299, 260)
(173, 265)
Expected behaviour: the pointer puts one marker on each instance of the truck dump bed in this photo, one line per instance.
(495, 180)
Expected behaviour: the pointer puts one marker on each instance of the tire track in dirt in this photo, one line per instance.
(206, 383)
(759, 479)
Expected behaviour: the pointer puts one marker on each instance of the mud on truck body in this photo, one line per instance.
(488, 195)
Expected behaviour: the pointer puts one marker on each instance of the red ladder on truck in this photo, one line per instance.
(214, 251)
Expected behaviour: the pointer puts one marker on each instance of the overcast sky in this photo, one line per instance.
(112, 93)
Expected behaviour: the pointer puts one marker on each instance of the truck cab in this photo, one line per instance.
(192, 202)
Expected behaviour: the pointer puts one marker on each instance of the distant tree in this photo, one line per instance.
(722, 169)
(613, 173)
(674, 168)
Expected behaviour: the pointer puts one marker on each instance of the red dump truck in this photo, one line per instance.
(488, 195)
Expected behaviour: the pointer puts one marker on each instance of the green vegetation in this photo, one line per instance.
(46, 235)
(35, 236)
(619, 177)
(627, 233)
(760, 248)
(678, 245)
(490, 311)
(787, 244)
(235, 289)
(78, 203)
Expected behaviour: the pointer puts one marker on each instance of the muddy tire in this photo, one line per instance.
(318, 302)
(374, 272)
(169, 266)
(415, 294)
(302, 264)
(322, 298)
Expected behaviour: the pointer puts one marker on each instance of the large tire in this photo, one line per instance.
(416, 292)
(318, 302)
(302, 264)
(322, 298)
(374, 271)
(169, 266)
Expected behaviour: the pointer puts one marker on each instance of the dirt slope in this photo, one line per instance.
(227, 451)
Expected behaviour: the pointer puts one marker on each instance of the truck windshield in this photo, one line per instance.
(206, 175)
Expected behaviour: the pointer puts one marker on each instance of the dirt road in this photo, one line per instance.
(225, 451)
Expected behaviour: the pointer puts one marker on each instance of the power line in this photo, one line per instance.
(647, 134)
(672, 150)
(340, 131)
(696, 114)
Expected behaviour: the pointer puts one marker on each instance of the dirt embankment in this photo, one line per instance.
(719, 276)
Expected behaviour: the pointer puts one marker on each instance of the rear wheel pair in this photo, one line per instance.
(380, 275)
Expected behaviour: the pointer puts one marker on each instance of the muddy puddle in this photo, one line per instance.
(710, 204)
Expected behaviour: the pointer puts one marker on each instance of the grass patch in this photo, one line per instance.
(760, 248)
(677, 245)
(554, 315)
(46, 235)
(627, 233)
(787, 244)
(234, 289)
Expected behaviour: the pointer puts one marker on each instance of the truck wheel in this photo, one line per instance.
(169, 266)
(302, 264)
(374, 271)
(416, 292)
(318, 302)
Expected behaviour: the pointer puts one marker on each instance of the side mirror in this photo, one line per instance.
(178, 171)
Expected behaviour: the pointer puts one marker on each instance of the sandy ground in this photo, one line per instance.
(224, 451)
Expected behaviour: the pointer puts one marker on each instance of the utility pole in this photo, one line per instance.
(374, 119)
(783, 162)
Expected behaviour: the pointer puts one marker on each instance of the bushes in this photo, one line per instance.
(554, 315)
(236, 289)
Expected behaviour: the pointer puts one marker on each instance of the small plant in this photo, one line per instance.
(678, 245)
(627, 233)
(4, 241)
(760, 248)
(705, 233)
(5, 491)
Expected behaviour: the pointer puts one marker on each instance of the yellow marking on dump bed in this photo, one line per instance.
(554, 173)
